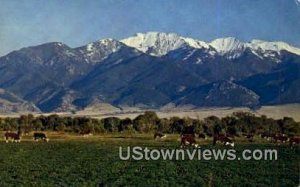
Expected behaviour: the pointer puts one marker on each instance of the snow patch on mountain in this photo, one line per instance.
(100, 50)
(196, 43)
(190, 54)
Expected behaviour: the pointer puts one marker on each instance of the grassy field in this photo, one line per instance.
(69, 160)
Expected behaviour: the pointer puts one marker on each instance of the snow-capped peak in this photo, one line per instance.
(264, 46)
(154, 43)
(158, 44)
(227, 45)
(233, 48)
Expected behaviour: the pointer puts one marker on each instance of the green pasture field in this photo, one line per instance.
(70, 160)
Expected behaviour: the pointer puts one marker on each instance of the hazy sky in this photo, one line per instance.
(77, 22)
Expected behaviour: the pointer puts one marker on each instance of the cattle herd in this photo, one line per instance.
(16, 137)
(281, 138)
(187, 137)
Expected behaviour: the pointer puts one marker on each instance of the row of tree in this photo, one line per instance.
(235, 124)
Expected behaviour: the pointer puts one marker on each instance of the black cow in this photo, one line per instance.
(40, 136)
(201, 136)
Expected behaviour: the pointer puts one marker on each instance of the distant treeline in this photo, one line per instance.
(235, 124)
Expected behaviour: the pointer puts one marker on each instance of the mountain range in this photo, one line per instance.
(150, 70)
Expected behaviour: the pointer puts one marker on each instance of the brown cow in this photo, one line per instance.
(294, 140)
(188, 139)
(281, 138)
(223, 139)
(15, 137)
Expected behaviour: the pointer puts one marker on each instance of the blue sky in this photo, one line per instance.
(77, 22)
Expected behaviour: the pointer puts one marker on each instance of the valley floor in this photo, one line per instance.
(276, 112)
(71, 160)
